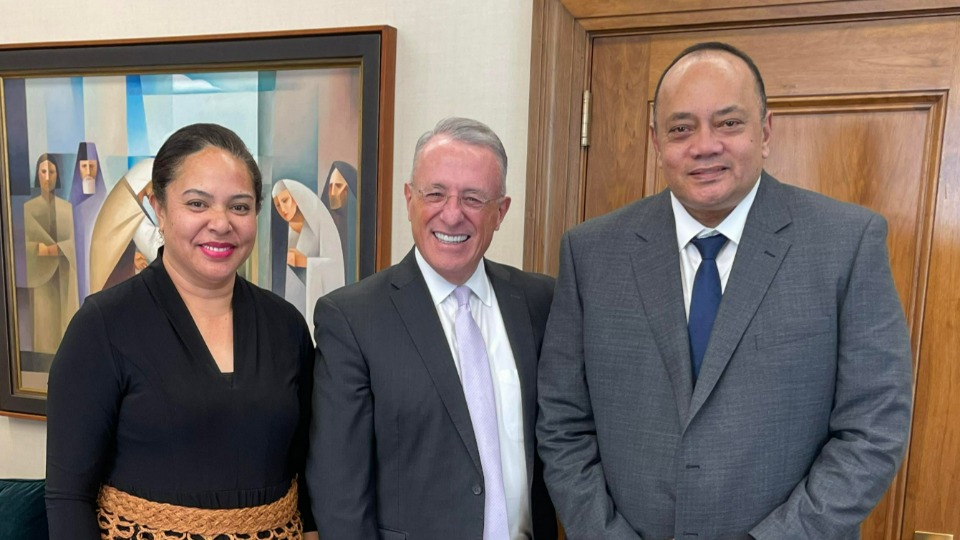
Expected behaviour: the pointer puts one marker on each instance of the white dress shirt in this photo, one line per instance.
(506, 382)
(689, 228)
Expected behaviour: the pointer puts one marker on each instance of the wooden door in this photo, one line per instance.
(861, 112)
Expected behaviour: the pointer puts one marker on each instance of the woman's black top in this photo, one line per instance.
(136, 401)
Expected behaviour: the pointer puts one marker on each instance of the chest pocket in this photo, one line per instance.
(795, 334)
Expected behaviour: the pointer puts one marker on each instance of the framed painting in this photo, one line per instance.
(81, 122)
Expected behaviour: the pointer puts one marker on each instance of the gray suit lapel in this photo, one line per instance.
(759, 255)
(415, 306)
(656, 267)
(516, 320)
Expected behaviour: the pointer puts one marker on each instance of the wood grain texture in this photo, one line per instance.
(833, 58)
(388, 78)
(860, 91)
(617, 8)
(616, 159)
(203, 37)
(554, 157)
(638, 15)
(892, 141)
(933, 480)
(24, 416)
(855, 151)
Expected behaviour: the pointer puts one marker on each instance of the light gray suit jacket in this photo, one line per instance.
(800, 416)
(393, 455)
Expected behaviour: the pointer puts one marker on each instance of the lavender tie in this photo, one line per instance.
(478, 389)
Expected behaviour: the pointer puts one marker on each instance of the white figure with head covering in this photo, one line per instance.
(314, 253)
(125, 238)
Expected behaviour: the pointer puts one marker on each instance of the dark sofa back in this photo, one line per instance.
(23, 515)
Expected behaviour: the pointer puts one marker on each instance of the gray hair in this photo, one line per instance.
(470, 132)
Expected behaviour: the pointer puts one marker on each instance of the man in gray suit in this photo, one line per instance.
(789, 419)
(425, 400)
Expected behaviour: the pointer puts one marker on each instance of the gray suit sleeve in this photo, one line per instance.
(872, 403)
(340, 467)
(566, 432)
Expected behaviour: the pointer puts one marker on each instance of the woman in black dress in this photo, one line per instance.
(179, 399)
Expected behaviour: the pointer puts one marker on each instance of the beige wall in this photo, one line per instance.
(453, 58)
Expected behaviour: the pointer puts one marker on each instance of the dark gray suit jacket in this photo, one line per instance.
(393, 453)
(800, 416)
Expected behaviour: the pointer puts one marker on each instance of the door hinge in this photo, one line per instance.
(585, 121)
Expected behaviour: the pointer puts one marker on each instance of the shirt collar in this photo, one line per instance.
(731, 226)
(440, 288)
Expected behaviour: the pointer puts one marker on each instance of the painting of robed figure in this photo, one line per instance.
(299, 124)
(125, 236)
(80, 125)
(314, 253)
(50, 258)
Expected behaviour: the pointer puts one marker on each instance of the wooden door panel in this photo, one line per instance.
(861, 113)
(932, 490)
(835, 58)
(616, 160)
(792, 61)
(933, 480)
(881, 156)
(874, 158)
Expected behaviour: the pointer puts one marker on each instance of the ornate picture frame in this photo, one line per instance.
(80, 123)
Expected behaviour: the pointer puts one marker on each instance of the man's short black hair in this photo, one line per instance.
(715, 46)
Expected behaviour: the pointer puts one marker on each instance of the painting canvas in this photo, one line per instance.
(78, 153)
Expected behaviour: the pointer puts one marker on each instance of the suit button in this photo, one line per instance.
(477, 489)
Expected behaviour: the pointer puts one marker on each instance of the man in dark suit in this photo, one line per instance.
(425, 401)
(696, 386)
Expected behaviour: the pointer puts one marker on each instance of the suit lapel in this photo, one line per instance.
(759, 255)
(516, 320)
(415, 306)
(656, 267)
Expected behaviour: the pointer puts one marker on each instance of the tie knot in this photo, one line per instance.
(710, 246)
(462, 294)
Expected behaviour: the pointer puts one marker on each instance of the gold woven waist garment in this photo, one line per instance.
(125, 516)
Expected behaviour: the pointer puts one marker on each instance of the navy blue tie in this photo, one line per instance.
(705, 299)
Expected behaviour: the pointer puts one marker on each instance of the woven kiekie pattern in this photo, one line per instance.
(127, 517)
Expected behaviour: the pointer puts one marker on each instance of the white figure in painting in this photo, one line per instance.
(125, 238)
(314, 254)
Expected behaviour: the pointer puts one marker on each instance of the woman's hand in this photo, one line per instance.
(296, 258)
(47, 251)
